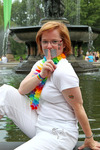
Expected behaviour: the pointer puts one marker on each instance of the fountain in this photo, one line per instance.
(79, 34)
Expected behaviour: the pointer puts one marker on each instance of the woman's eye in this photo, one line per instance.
(45, 42)
(54, 42)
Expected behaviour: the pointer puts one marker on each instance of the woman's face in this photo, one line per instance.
(52, 43)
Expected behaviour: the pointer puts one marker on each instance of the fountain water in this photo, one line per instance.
(6, 46)
(5, 40)
(1, 41)
(90, 43)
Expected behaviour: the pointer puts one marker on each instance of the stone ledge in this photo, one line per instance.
(13, 145)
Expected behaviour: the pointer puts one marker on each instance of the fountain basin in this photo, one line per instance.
(77, 33)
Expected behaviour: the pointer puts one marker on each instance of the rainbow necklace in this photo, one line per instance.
(35, 94)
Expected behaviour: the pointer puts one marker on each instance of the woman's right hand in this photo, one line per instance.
(48, 68)
(91, 143)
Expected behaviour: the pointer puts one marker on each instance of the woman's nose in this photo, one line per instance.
(49, 45)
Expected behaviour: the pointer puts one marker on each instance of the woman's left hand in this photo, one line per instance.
(90, 143)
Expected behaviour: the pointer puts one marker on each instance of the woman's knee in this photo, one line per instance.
(6, 89)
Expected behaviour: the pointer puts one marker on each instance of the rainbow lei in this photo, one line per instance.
(35, 94)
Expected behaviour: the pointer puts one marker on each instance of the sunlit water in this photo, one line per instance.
(90, 87)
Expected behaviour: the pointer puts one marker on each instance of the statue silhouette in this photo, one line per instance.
(54, 8)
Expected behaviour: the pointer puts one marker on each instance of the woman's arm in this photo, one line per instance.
(74, 98)
(31, 81)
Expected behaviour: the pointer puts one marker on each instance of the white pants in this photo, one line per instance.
(17, 108)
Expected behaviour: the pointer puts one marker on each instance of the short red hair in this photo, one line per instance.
(63, 31)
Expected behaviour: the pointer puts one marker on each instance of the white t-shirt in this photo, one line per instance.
(52, 103)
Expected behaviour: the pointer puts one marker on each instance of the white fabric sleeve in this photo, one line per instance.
(66, 78)
(35, 65)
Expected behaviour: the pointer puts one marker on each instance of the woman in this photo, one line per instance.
(56, 101)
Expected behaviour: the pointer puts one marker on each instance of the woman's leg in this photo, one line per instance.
(49, 141)
(17, 108)
(42, 141)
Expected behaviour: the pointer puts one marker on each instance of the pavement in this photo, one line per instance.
(12, 63)
(97, 64)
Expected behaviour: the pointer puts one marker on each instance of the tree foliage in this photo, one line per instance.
(1, 14)
(28, 12)
(90, 10)
(71, 11)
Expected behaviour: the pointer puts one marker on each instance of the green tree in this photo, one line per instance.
(18, 13)
(70, 11)
(1, 14)
(90, 12)
(27, 12)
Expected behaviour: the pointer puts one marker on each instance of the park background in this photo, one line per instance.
(29, 13)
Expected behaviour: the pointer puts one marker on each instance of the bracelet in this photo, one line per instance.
(88, 137)
(39, 77)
